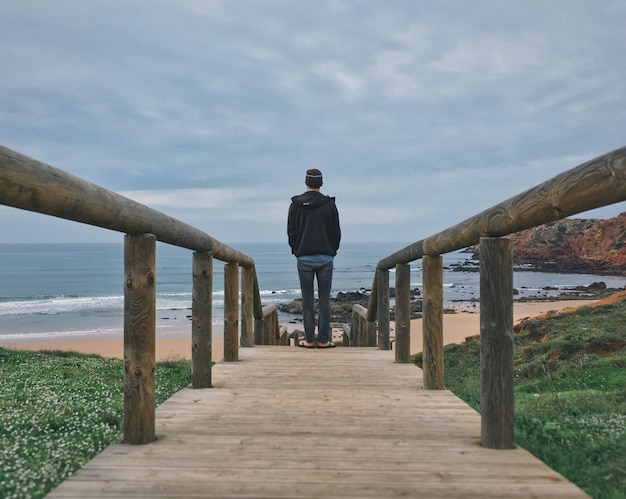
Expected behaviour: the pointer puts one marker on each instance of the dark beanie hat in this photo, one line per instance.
(313, 178)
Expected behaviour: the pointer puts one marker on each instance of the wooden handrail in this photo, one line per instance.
(271, 328)
(30, 185)
(596, 183)
(358, 326)
(599, 182)
(34, 186)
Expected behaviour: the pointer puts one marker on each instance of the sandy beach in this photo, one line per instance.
(177, 343)
(457, 327)
(168, 348)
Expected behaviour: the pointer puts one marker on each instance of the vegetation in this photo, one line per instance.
(570, 393)
(58, 410)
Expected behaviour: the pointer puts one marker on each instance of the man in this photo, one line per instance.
(314, 235)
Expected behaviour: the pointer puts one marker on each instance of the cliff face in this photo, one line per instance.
(573, 245)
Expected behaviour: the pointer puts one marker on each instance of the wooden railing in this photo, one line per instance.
(31, 185)
(359, 332)
(599, 182)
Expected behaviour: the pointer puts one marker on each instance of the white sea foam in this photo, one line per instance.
(59, 305)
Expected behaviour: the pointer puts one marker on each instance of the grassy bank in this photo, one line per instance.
(58, 410)
(570, 393)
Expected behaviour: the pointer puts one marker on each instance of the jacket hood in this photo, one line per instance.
(310, 200)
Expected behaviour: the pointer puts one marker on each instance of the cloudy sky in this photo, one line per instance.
(419, 113)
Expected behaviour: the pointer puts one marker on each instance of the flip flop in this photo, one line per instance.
(330, 344)
(303, 344)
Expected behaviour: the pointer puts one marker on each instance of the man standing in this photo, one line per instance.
(314, 236)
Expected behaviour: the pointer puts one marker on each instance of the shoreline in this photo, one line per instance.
(175, 342)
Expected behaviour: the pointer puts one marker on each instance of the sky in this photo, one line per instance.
(420, 114)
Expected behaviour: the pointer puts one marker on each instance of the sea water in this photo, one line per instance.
(71, 290)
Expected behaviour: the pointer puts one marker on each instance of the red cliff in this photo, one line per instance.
(574, 245)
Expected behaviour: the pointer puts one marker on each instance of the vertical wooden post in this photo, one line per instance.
(202, 320)
(354, 328)
(267, 339)
(139, 338)
(346, 335)
(382, 283)
(247, 288)
(371, 334)
(403, 313)
(259, 331)
(358, 326)
(270, 318)
(273, 326)
(268, 328)
(257, 308)
(432, 322)
(497, 404)
(231, 312)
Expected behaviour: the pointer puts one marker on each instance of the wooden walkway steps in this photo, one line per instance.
(291, 422)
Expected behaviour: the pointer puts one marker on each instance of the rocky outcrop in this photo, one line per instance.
(340, 306)
(588, 246)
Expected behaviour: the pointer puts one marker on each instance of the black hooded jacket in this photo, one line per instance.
(313, 225)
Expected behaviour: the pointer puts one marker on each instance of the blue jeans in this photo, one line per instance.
(307, 271)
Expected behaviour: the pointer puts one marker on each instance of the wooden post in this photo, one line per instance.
(268, 320)
(202, 320)
(259, 331)
(231, 312)
(269, 324)
(139, 338)
(432, 322)
(371, 334)
(274, 327)
(354, 329)
(346, 334)
(257, 309)
(382, 281)
(403, 313)
(497, 404)
(357, 322)
(247, 288)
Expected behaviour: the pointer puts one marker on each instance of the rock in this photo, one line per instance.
(341, 305)
(584, 246)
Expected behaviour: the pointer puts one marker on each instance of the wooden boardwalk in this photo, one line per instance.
(290, 422)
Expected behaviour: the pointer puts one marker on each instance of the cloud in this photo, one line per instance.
(421, 113)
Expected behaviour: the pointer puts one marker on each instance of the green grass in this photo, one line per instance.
(58, 410)
(570, 393)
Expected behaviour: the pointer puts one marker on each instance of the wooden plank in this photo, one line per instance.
(290, 422)
(310, 485)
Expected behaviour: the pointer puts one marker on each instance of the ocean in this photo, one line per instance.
(73, 290)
